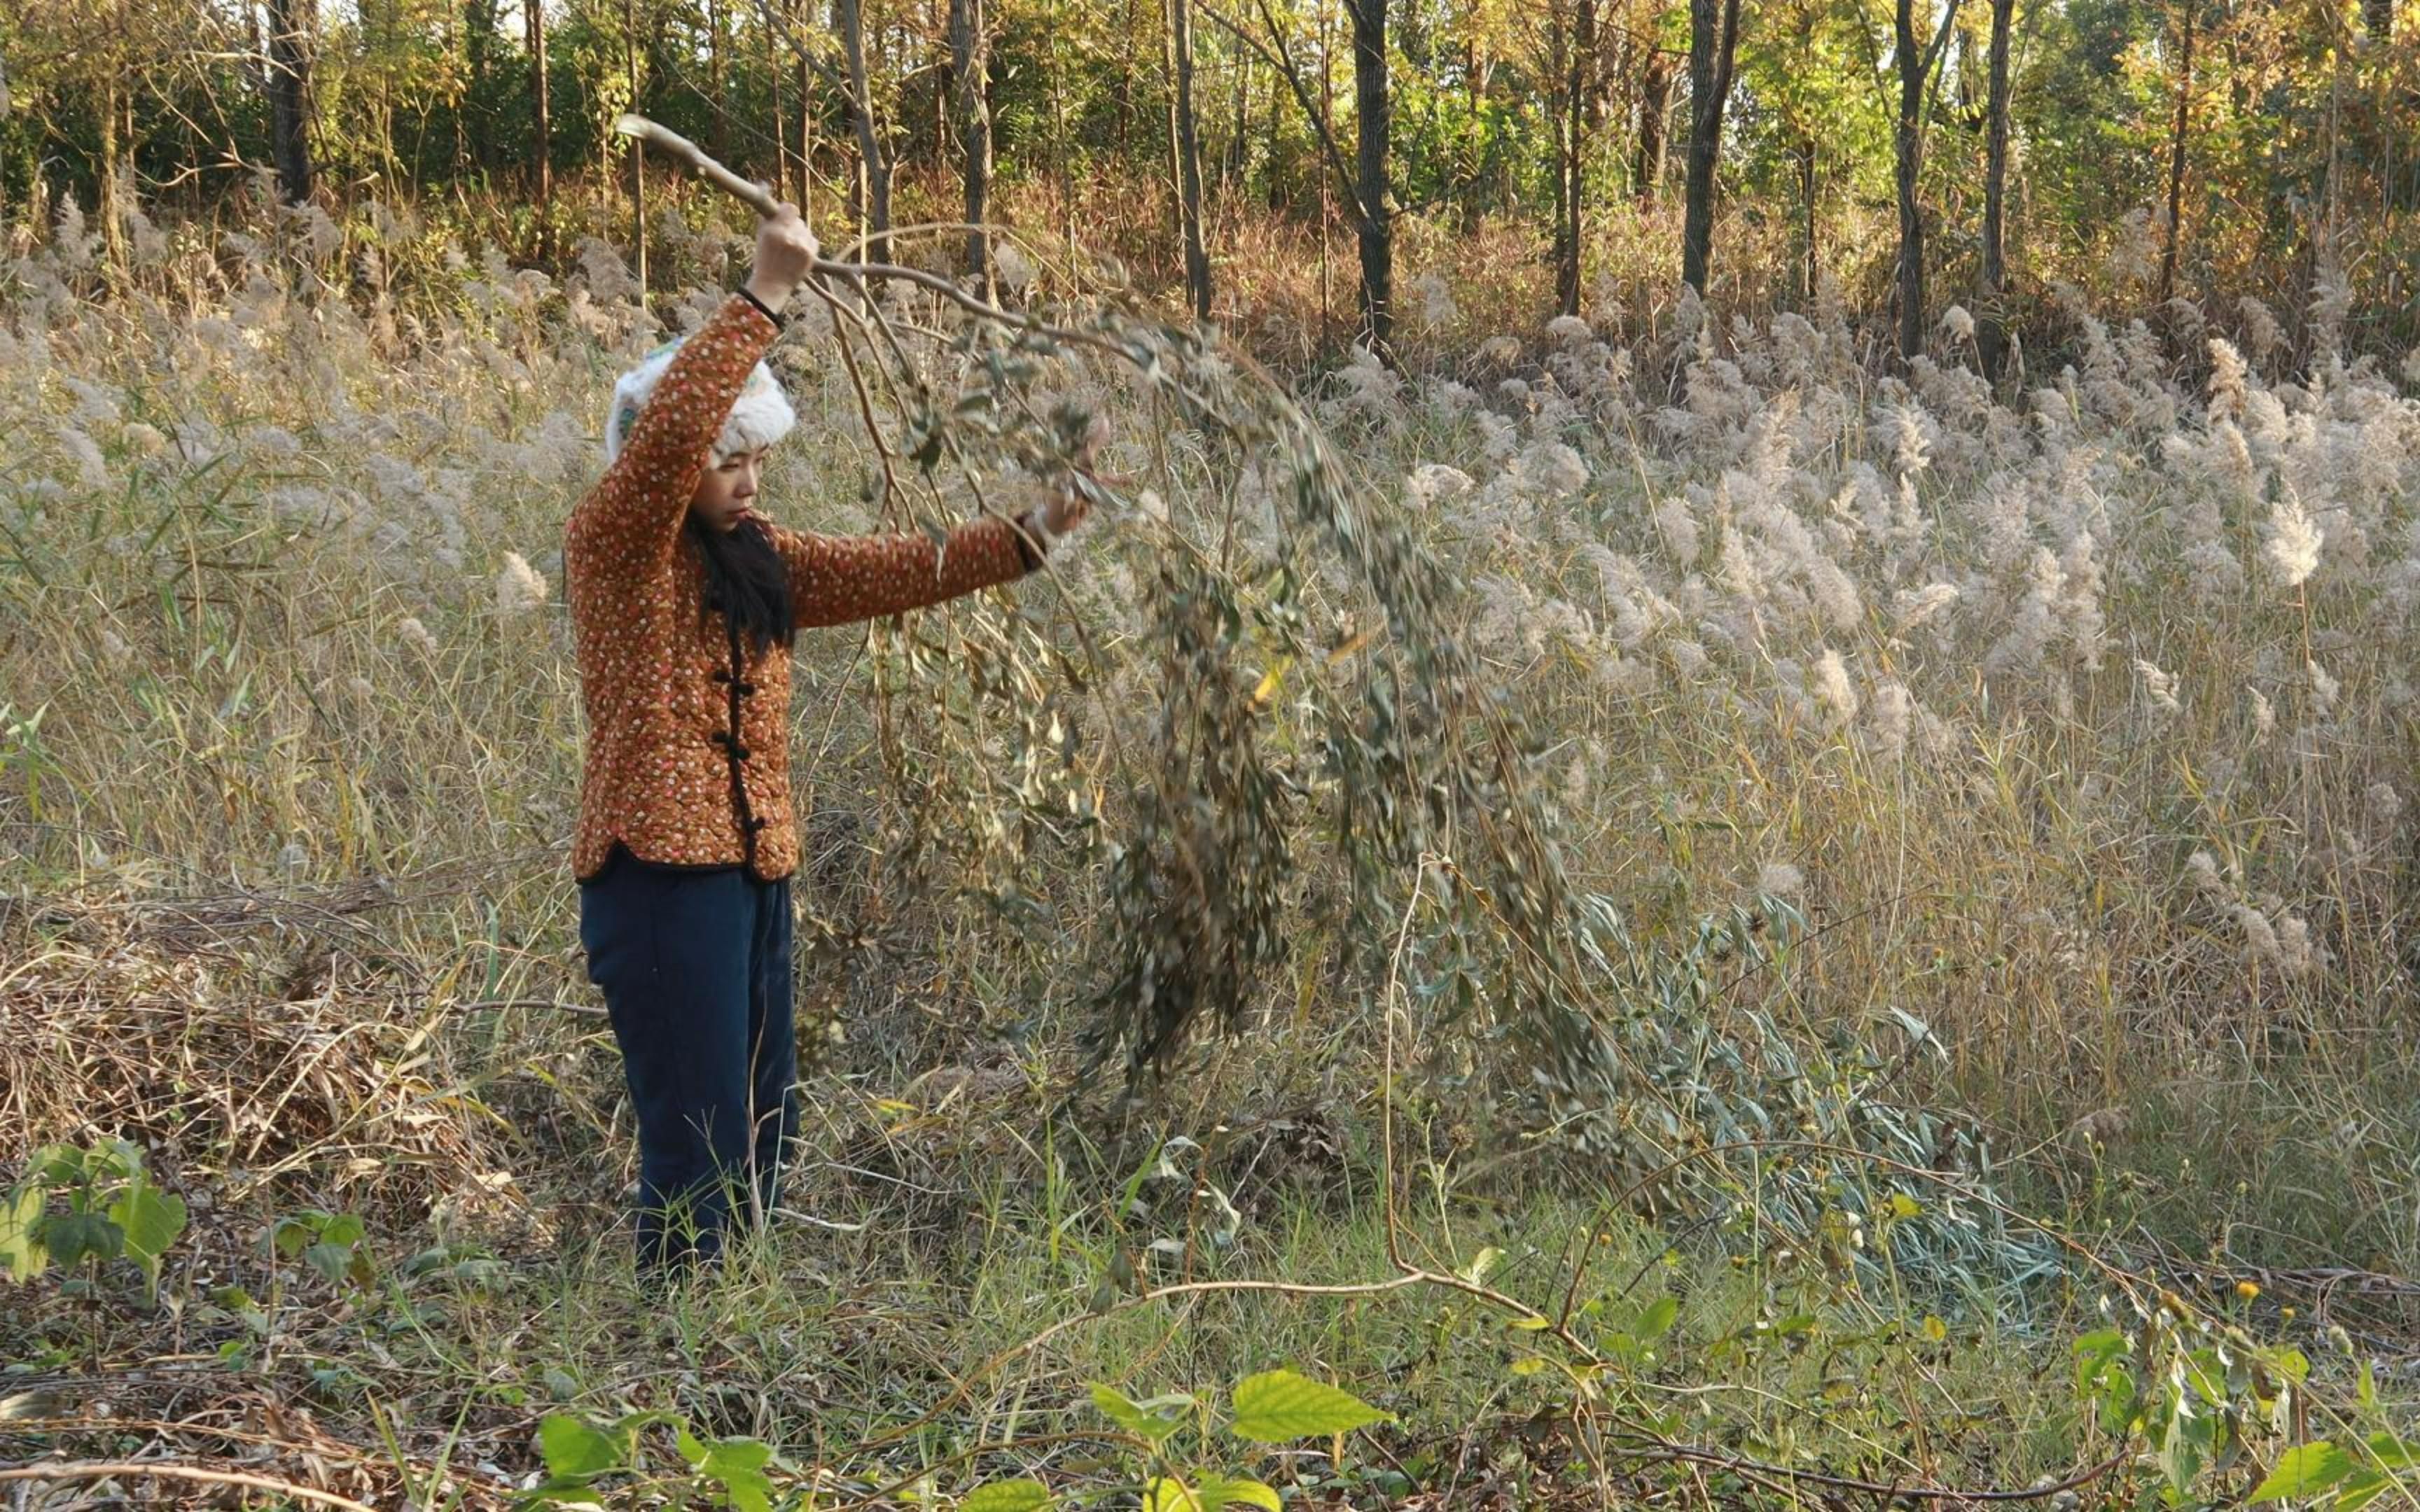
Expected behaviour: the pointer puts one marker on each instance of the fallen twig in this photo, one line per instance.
(107, 1469)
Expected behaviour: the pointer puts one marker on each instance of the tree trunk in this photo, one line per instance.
(289, 96)
(113, 234)
(536, 13)
(718, 118)
(1575, 61)
(1809, 186)
(1655, 121)
(873, 175)
(773, 87)
(1990, 332)
(1714, 43)
(1370, 110)
(1189, 157)
(638, 154)
(970, 70)
(1915, 63)
(2175, 240)
(806, 142)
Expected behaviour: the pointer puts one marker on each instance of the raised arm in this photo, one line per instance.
(640, 502)
(635, 510)
(836, 580)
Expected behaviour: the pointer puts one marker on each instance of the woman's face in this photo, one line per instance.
(727, 490)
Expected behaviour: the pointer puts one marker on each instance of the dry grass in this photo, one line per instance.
(284, 782)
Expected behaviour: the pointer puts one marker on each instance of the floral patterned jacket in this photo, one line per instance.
(688, 755)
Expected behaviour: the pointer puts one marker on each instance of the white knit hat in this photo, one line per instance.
(759, 417)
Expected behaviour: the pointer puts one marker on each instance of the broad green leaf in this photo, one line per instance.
(691, 1448)
(114, 1160)
(56, 1166)
(1658, 1318)
(21, 1246)
(151, 1220)
(573, 1450)
(345, 1229)
(290, 1237)
(1165, 1494)
(747, 1490)
(1010, 1496)
(2306, 1469)
(329, 1261)
(732, 1456)
(1221, 1492)
(2394, 1452)
(74, 1235)
(1278, 1405)
(1155, 1418)
(2362, 1488)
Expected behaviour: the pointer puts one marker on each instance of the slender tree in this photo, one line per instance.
(1713, 50)
(638, 151)
(1991, 331)
(1373, 116)
(2187, 26)
(1915, 62)
(1186, 141)
(289, 96)
(1572, 51)
(1654, 123)
(533, 20)
(874, 174)
(971, 95)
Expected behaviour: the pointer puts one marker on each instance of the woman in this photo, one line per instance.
(684, 601)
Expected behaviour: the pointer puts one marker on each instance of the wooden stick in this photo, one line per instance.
(90, 1469)
(664, 139)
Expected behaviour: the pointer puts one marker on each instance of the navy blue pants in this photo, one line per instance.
(695, 968)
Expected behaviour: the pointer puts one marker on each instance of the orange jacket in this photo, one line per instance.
(687, 761)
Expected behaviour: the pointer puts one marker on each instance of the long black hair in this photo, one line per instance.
(746, 580)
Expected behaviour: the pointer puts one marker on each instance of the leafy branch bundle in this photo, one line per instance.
(1286, 739)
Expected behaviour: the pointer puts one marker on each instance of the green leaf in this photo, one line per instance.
(74, 1235)
(2362, 1488)
(1010, 1496)
(1658, 1318)
(726, 1457)
(1278, 1405)
(290, 1237)
(1155, 1418)
(2306, 1469)
(749, 1490)
(56, 1166)
(1165, 1494)
(20, 1246)
(574, 1451)
(151, 1220)
(2392, 1452)
(329, 1261)
(1221, 1492)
